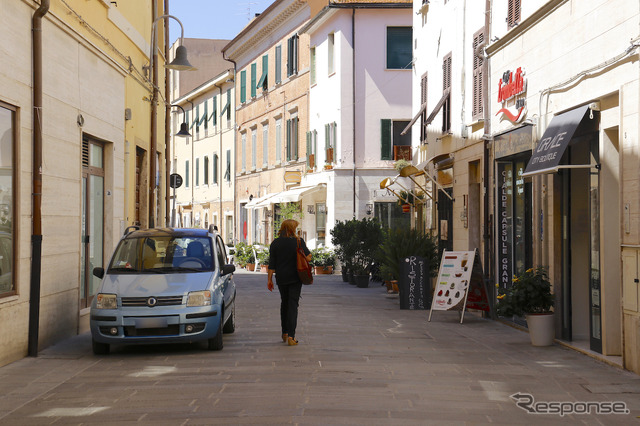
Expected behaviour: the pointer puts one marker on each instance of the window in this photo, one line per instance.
(227, 173)
(7, 194)
(399, 49)
(446, 85)
(244, 152)
(243, 86)
(263, 83)
(292, 139)
(278, 76)
(254, 148)
(227, 109)
(196, 120)
(205, 115)
(423, 102)
(265, 145)
(186, 174)
(393, 145)
(312, 140)
(513, 13)
(215, 169)
(254, 68)
(197, 172)
(312, 67)
(330, 138)
(206, 170)
(330, 42)
(292, 55)
(278, 140)
(478, 77)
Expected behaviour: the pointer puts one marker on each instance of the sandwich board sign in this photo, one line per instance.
(460, 284)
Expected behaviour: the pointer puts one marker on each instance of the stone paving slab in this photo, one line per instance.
(361, 360)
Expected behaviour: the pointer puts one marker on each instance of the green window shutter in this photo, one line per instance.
(214, 114)
(327, 137)
(288, 141)
(253, 79)
(278, 75)
(203, 119)
(215, 169)
(228, 104)
(197, 172)
(186, 174)
(243, 87)
(196, 118)
(294, 138)
(312, 70)
(385, 139)
(263, 83)
(399, 47)
(206, 170)
(308, 148)
(227, 173)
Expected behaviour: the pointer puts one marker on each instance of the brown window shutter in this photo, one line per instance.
(478, 81)
(513, 13)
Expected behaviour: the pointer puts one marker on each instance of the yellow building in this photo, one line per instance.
(90, 140)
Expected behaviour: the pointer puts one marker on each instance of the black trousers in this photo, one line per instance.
(289, 299)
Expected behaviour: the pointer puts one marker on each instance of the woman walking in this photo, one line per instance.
(282, 262)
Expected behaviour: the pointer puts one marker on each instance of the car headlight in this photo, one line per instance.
(199, 298)
(106, 301)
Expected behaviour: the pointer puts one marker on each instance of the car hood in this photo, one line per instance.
(141, 285)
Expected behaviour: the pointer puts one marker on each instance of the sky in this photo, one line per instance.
(214, 19)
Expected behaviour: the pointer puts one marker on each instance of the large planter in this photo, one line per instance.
(362, 281)
(264, 268)
(352, 279)
(323, 270)
(541, 329)
(251, 267)
(345, 275)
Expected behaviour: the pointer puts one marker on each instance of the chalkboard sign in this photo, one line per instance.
(414, 283)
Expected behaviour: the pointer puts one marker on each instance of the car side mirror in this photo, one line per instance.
(228, 269)
(98, 272)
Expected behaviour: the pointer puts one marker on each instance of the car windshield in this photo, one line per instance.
(163, 255)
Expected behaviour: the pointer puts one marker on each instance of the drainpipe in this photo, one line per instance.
(353, 94)
(36, 234)
(167, 121)
(220, 161)
(154, 124)
(488, 243)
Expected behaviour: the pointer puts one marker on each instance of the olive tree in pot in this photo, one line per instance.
(530, 296)
(341, 240)
(398, 244)
(366, 239)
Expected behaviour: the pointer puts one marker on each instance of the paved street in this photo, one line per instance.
(361, 360)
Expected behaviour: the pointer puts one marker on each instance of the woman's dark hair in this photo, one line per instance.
(288, 228)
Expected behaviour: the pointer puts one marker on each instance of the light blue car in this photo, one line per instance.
(164, 285)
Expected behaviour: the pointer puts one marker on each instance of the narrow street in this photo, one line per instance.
(361, 360)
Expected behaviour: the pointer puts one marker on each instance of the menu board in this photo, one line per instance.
(459, 276)
(414, 283)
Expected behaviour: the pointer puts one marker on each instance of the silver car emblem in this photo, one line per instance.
(152, 301)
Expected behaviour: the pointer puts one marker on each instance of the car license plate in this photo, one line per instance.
(151, 322)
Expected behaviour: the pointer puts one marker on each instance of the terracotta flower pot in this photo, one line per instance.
(323, 270)
(251, 266)
(264, 268)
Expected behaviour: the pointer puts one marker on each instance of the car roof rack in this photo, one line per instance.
(132, 227)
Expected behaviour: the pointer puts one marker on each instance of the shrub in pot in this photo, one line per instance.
(530, 296)
(323, 259)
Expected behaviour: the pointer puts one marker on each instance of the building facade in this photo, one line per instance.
(89, 142)
(360, 101)
(566, 134)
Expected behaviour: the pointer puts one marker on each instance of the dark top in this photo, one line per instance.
(282, 259)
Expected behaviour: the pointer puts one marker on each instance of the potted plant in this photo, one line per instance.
(530, 296)
(366, 239)
(241, 254)
(263, 258)
(323, 260)
(340, 238)
(398, 244)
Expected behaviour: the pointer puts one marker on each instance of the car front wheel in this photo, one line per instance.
(230, 325)
(100, 348)
(215, 344)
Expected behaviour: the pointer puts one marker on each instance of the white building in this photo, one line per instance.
(360, 100)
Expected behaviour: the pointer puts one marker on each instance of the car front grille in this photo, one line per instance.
(171, 330)
(159, 301)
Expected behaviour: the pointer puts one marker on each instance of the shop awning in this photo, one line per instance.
(295, 194)
(256, 202)
(433, 114)
(555, 140)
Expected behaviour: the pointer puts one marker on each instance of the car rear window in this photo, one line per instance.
(163, 254)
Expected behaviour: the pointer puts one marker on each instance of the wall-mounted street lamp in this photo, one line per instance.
(184, 131)
(179, 63)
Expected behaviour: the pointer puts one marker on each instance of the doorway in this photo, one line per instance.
(92, 222)
(445, 220)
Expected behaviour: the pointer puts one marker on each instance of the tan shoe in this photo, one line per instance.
(292, 341)
(285, 337)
